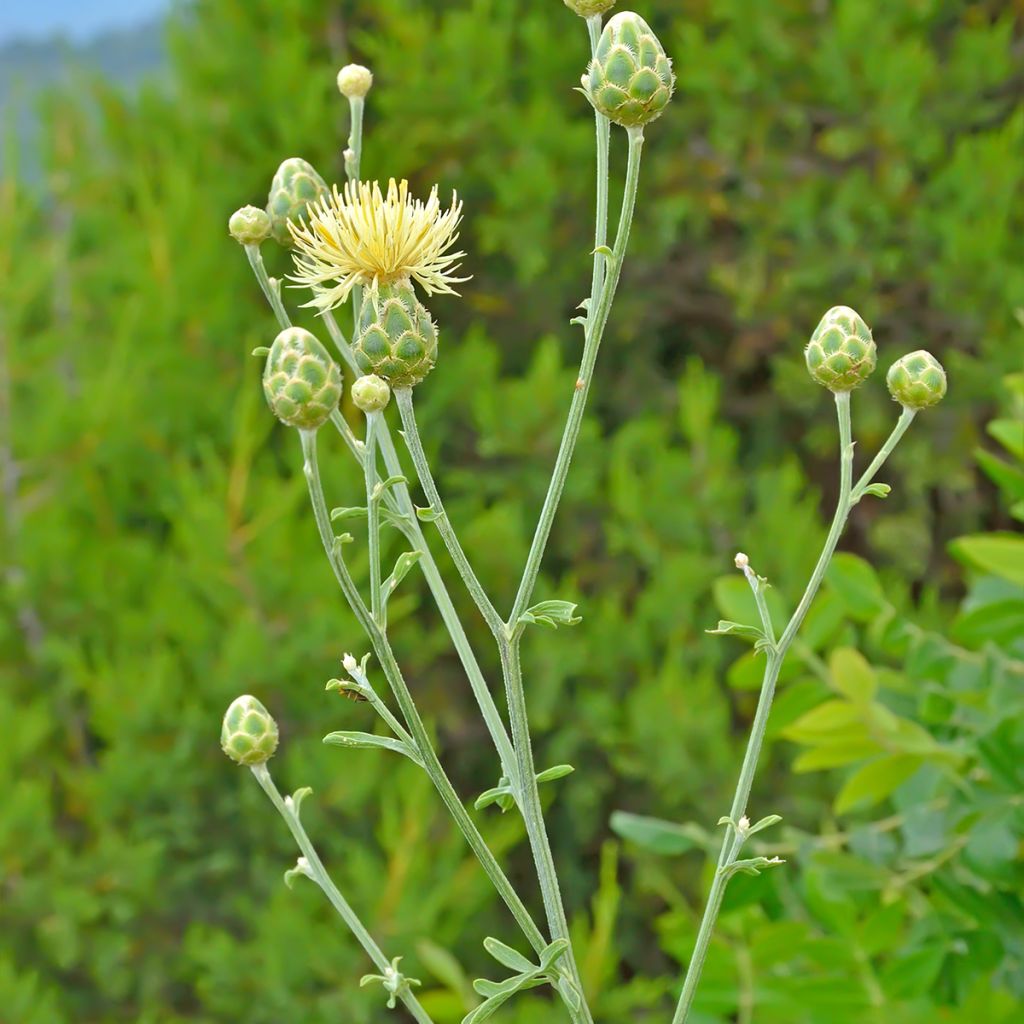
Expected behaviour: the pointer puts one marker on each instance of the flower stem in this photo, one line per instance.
(318, 874)
(603, 127)
(373, 518)
(597, 319)
(403, 397)
(393, 674)
(356, 105)
(733, 841)
(906, 418)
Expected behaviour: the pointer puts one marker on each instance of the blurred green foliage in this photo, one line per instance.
(158, 559)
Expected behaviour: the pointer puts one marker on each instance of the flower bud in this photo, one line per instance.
(249, 734)
(371, 393)
(354, 81)
(630, 79)
(917, 381)
(841, 354)
(588, 8)
(296, 184)
(397, 340)
(249, 226)
(302, 383)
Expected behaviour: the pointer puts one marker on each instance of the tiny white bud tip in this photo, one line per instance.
(350, 664)
(744, 823)
(741, 560)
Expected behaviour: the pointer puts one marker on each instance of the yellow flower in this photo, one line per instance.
(362, 237)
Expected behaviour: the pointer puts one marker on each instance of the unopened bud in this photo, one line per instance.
(630, 79)
(741, 560)
(249, 226)
(301, 382)
(354, 81)
(350, 664)
(917, 381)
(371, 393)
(296, 184)
(841, 354)
(249, 734)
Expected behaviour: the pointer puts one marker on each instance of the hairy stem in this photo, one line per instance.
(393, 674)
(528, 799)
(318, 874)
(597, 319)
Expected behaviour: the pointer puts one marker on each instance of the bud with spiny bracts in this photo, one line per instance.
(917, 381)
(588, 8)
(841, 354)
(249, 226)
(249, 733)
(301, 381)
(630, 79)
(397, 340)
(371, 393)
(296, 184)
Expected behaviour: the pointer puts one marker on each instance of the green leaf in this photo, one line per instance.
(657, 835)
(852, 675)
(1000, 622)
(829, 722)
(875, 781)
(551, 614)
(855, 582)
(1001, 554)
(352, 512)
(551, 952)
(738, 630)
(878, 490)
(507, 956)
(404, 563)
(558, 771)
(367, 741)
(427, 515)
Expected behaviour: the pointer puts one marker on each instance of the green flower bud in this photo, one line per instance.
(249, 226)
(588, 8)
(397, 340)
(301, 381)
(354, 81)
(917, 381)
(630, 79)
(841, 354)
(249, 734)
(294, 187)
(371, 393)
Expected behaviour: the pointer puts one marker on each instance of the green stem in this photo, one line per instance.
(403, 397)
(355, 138)
(318, 874)
(373, 517)
(603, 127)
(271, 289)
(733, 842)
(393, 674)
(906, 418)
(597, 319)
(432, 574)
(528, 799)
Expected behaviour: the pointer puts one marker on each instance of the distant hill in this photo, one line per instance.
(30, 67)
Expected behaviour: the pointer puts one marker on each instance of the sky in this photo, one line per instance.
(80, 20)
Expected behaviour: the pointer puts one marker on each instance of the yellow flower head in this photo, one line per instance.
(362, 237)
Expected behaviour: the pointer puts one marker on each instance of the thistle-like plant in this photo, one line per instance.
(378, 249)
